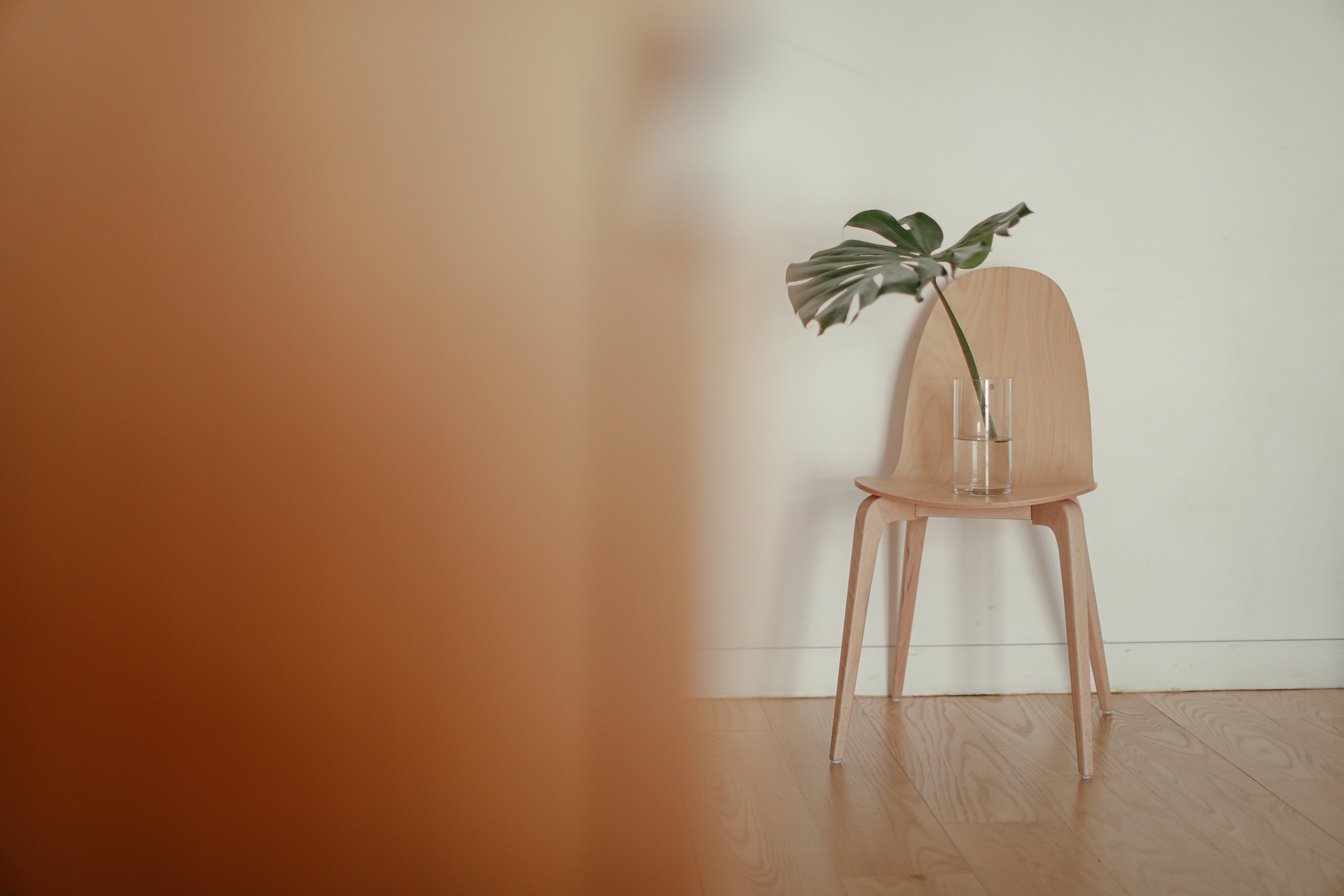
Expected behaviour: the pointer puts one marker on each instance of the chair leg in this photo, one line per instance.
(914, 552)
(874, 515)
(1097, 649)
(1065, 519)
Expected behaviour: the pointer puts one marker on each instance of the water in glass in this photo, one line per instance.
(981, 465)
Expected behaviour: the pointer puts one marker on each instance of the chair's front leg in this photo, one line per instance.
(874, 515)
(1065, 519)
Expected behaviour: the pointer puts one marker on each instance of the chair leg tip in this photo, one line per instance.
(1087, 777)
(895, 698)
(1108, 712)
(835, 761)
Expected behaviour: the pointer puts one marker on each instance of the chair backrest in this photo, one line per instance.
(1018, 324)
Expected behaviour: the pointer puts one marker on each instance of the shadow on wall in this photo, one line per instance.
(815, 502)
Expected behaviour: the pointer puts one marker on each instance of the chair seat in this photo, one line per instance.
(939, 494)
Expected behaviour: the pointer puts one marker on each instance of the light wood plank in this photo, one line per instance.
(1145, 844)
(696, 885)
(956, 769)
(1321, 711)
(1254, 742)
(1139, 739)
(1034, 857)
(1025, 731)
(1167, 812)
(1255, 830)
(1320, 801)
(874, 820)
(752, 830)
(729, 715)
(1274, 847)
(940, 885)
(1291, 853)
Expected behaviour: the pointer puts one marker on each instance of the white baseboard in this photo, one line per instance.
(1025, 668)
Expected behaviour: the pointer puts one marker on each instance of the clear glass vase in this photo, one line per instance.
(982, 436)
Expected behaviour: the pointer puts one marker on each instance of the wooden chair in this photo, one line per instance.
(1018, 324)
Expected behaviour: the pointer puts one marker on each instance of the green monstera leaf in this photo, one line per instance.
(972, 249)
(835, 284)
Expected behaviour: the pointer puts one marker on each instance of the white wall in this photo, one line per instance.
(1185, 163)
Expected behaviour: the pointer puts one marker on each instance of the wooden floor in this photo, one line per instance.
(1195, 793)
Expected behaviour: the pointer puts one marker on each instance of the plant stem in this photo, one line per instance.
(970, 360)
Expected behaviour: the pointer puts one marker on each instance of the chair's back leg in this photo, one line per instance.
(914, 553)
(1065, 519)
(874, 515)
(1096, 648)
